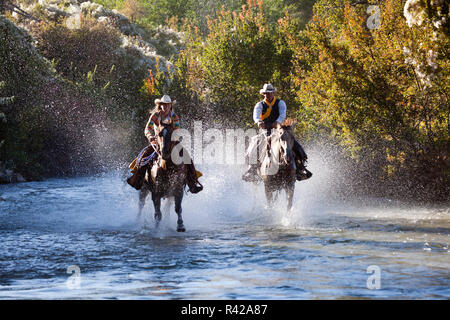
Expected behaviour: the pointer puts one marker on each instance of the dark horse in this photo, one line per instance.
(165, 178)
(277, 164)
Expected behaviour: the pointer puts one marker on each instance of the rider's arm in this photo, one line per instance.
(149, 128)
(282, 108)
(257, 110)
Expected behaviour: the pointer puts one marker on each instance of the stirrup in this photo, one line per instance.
(251, 175)
(248, 177)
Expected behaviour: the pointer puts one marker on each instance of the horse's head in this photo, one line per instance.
(165, 141)
(286, 142)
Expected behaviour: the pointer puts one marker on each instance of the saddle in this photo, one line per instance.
(146, 160)
(139, 166)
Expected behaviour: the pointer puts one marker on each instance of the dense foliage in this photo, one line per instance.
(371, 82)
(196, 12)
(377, 88)
(73, 112)
(383, 91)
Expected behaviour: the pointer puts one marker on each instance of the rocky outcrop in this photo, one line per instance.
(9, 176)
(135, 41)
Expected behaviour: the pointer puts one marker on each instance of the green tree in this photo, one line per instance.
(241, 53)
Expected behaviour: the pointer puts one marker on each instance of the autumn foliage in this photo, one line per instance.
(377, 88)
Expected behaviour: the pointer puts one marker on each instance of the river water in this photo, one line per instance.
(75, 238)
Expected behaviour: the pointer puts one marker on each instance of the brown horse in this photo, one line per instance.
(277, 168)
(165, 178)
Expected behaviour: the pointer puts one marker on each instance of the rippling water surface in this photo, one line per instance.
(234, 248)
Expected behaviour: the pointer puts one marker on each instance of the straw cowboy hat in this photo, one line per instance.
(165, 99)
(268, 87)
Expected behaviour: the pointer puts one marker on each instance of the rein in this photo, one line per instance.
(269, 151)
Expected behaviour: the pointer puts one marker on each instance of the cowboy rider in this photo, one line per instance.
(268, 114)
(163, 114)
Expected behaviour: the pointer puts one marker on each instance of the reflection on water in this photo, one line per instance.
(234, 248)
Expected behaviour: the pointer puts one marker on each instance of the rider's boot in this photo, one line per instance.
(300, 158)
(137, 179)
(302, 173)
(194, 185)
(251, 175)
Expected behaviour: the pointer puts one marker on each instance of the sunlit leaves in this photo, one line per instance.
(381, 89)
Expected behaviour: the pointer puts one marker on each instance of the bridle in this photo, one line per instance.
(283, 151)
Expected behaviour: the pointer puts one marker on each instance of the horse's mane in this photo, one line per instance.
(289, 122)
(275, 135)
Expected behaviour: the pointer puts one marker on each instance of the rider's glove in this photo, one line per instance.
(152, 140)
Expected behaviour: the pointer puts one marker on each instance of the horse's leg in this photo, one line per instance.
(157, 205)
(290, 196)
(275, 195)
(178, 210)
(269, 196)
(143, 193)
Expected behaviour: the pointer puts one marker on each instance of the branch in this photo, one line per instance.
(13, 8)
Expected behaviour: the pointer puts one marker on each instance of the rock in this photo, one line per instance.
(3, 177)
(142, 52)
(20, 178)
(8, 176)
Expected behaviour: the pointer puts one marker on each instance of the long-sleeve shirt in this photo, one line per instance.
(257, 110)
(155, 120)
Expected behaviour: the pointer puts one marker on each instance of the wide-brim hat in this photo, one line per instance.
(268, 87)
(165, 99)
